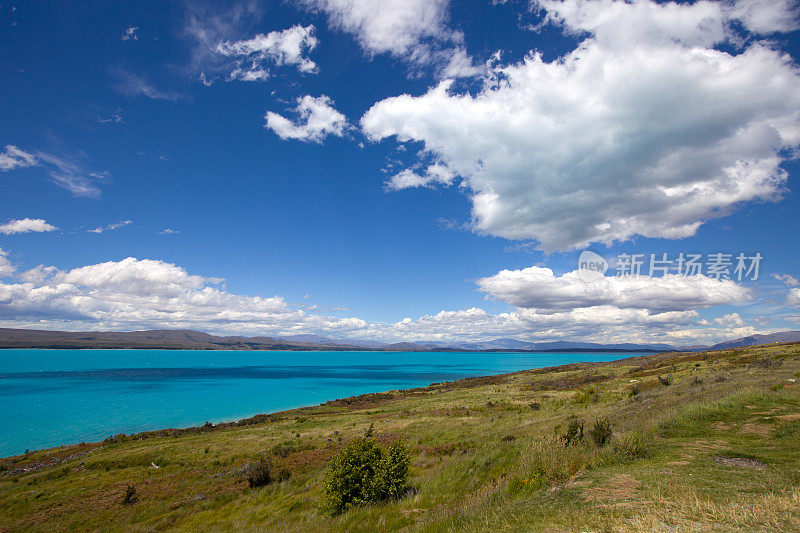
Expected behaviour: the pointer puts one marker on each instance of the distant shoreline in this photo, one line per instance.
(354, 350)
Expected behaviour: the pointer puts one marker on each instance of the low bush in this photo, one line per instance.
(632, 444)
(601, 431)
(362, 473)
(585, 395)
(574, 433)
(130, 495)
(665, 380)
(259, 473)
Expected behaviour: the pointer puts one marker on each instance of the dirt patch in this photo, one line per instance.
(677, 463)
(720, 426)
(741, 462)
(789, 418)
(619, 488)
(703, 445)
(762, 430)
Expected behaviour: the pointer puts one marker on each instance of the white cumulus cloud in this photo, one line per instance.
(409, 178)
(285, 47)
(142, 293)
(316, 119)
(644, 129)
(413, 30)
(539, 288)
(26, 225)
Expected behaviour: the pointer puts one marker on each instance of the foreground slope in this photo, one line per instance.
(702, 441)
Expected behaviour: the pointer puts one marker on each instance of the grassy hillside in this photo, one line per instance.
(704, 441)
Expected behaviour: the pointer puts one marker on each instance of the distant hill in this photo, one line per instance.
(152, 339)
(752, 340)
(326, 340)
(170, 339)
(514, 344)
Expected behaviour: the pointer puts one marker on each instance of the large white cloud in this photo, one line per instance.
(643, 129)
(316, 119)
(136, 294)
(413, 30)
(26, 225)
(539, 288)
(285, 47)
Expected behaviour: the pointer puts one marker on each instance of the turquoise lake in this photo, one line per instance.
(54, 397)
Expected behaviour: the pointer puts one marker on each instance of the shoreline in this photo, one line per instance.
(260, 418)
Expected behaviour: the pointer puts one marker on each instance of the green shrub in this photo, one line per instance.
(130, 495)
(574, 433)
(632, 445)
(259, 473)
(601, 431)
(585, 395)
(665, 380)
(361, 473)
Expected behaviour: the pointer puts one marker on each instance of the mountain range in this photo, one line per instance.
(196, 340)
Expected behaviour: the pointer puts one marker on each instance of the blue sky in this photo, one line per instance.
(326, 167)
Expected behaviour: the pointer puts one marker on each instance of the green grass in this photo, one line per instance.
(482, 458)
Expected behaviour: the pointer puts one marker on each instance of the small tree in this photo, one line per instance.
(361, 473)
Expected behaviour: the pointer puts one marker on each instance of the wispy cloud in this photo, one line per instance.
(114, 118)
(169, 231)
(206, 27)
(131, 84)
(787, 279)
(12, 157)
(111, 227)
(130, 34)
(70, 175)
(26, 225)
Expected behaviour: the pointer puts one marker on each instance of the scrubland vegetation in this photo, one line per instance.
(705, 441)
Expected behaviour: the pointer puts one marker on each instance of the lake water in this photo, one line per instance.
(54, 397)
